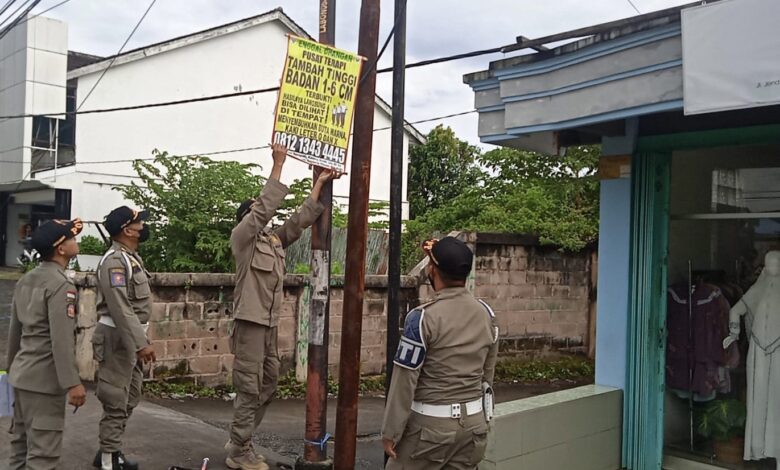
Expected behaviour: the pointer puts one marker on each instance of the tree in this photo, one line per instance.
(192, 203)
(555, 198)
(439, 170)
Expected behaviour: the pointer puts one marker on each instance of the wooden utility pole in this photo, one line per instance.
(357, 231)
(315, 455)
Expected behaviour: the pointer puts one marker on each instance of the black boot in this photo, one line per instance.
(118, 462)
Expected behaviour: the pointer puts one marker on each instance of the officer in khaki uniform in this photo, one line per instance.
(42, 350)
(120, 345)
(259, 253)
(436, 413)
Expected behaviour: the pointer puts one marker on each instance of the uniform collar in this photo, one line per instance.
(121, 246)
(52, 265)
(450, 292)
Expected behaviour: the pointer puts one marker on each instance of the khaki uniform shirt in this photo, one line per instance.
(259, 254)
(124, 293)
(448, 349)
(42, 336)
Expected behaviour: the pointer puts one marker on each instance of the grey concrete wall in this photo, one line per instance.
(577, 429)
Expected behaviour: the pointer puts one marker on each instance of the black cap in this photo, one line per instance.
(243, 209)
(52, 233)
(451, 256)
(121, 217)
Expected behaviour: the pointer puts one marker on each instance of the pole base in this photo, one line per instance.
(302, 464)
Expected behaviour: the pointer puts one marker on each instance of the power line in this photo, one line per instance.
(63, 2)
(113, 59)
(16, 20)
(245, 149)
(6, 6)
(13, 14)
(439, 60)
(630, 2)
(36, 2)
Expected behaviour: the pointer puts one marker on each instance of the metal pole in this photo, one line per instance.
(316, 455)
(396, 187)
(357, 229)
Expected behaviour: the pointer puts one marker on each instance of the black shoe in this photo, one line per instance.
(118, 461)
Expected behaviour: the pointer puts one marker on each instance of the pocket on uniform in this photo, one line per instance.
(98, 345)
(433, 445)
(110, 395)
(479, 439)
(141, 288)
(246, 376)
(263, 258)
(48, 423)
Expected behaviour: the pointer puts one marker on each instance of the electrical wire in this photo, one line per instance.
(63, 2)
(245, 149)
(19, 18)
(5, 7)
(630, 2)
(36, 2)
(113, 59)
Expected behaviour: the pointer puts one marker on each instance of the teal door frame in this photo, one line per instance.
(644, 398)
(643, 407)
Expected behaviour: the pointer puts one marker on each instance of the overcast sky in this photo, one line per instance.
(435, 28)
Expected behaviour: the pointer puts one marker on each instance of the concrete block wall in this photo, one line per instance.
(544, 298)
(577, 428)
(192, 315)
(541, 295)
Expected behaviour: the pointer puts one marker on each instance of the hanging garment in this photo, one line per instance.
(695, 358)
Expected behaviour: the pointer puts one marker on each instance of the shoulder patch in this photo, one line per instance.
(118, 277)
(70, 303)
(71, 295)
(411, 348)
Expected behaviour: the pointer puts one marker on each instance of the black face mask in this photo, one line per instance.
(143, 234)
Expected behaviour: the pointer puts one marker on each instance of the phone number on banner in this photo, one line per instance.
(310, 147)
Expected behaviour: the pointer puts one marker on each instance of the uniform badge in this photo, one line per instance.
(71, 310)
(411, 348)
(118, 277)
(71, 296)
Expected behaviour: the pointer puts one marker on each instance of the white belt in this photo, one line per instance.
(108, 321)
(447, 411)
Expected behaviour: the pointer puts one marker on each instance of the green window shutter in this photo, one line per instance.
(644, 395)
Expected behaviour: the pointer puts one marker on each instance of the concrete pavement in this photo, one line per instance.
(157, 437)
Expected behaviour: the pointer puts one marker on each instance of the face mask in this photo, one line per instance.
(143, 234)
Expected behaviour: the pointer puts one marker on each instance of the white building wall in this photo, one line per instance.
(33, 58)
(252, 58)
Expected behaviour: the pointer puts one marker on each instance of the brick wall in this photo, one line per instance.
(542, 296)
(544, 301)
(192, 314)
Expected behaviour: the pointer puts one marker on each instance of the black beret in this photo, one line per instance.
(52, 233)
(121, 217)
(450, 255)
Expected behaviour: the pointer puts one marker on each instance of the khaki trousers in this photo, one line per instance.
(39, 420)
(255, 375)
(441, 443)
(120, 378)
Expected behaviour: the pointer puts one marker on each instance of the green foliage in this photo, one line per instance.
(187, 389)
(302, 268)
(439, 170)
(721, 419)
(289, 387)
(91, 245)
(192, 203)
(569, 368)
(555, 198)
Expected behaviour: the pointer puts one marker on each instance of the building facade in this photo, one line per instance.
(685, 105)
(61, 165)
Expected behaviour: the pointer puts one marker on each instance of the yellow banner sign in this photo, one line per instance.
(316, 103)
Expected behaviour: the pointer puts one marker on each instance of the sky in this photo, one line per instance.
(435, 28)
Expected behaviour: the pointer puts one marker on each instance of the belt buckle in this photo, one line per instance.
(455, 412)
